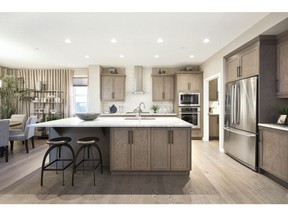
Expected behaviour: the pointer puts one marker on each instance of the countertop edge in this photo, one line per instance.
(113, 122)
(274, 126)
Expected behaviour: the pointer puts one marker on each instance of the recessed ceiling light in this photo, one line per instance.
(191, 56)
(160, 40)
(121, 56)
(156, 56)
(206, 40)
(113, 40)
(67, 40)
(87, 56)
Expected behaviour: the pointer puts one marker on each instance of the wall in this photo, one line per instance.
(215, 64)
(94, 102)
(132, 100)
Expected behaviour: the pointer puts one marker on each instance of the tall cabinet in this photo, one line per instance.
(190, 82)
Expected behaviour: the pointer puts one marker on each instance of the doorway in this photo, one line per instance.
(212, 112)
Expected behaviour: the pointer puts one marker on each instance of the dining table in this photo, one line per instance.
(14, 123)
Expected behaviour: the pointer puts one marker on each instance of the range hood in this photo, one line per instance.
(138, 71)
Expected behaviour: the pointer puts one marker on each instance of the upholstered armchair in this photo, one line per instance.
(24, 136)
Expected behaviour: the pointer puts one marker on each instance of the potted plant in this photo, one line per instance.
(154, 108)
(11, 92)
(53, 117)
(283, 112)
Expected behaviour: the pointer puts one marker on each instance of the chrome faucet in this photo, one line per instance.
(139, 110)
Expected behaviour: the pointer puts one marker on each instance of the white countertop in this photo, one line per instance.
(115, 122)
(274, 126)
(133, 114)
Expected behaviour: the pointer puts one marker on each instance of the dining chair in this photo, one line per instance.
(4, 140)
(19, 118)
(24, 136)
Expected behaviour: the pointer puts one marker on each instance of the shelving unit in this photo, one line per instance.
(45, 104)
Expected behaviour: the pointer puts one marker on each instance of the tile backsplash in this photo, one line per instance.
(132, 100)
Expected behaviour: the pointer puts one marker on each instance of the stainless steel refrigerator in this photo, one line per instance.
(240, 126)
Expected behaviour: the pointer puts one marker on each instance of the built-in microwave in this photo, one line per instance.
(189, 99)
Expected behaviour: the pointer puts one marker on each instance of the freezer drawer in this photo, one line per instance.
(241, 146)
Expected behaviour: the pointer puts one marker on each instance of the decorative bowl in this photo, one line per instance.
(87, 116)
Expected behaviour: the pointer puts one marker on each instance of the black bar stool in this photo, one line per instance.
(87, 143)
(57, 143)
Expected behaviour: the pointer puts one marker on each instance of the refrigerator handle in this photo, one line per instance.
(243, 133)
(238, 101)
(234, 105)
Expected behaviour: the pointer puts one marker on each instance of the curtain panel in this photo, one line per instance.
(6, 71)
(54, 79)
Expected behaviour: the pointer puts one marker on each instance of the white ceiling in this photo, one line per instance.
(36, 40)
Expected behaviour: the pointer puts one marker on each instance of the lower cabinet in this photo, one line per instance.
(150, 149)
(213, 127)
(273, 148)
(130, 149)
(170, 149)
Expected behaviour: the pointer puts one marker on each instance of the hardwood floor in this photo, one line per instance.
(215, 178)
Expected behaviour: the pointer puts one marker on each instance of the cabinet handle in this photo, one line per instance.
(240, 72)
(163, 95)
(112, 95)
(172, 136)
(169, 137)
(130, 137)
(260, 135)
(189, 86)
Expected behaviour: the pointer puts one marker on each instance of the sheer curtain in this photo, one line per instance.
(54, 79)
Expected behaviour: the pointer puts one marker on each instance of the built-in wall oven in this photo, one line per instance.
(191, 115)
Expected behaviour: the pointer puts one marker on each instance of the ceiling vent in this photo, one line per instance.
(138, 71)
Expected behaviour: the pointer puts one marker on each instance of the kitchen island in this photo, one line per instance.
(133, 145)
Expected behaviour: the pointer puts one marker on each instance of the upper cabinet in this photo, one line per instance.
(213, 90)
(163, 87)
(282, 67)
(112, 86)
(190, 82)
(243, 64)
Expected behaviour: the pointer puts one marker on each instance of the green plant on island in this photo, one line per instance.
(155, 108)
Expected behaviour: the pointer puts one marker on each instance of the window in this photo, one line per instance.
(80, 94)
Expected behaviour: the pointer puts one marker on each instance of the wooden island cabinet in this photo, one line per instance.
(170, 149)
(130, 149)
(150, 149)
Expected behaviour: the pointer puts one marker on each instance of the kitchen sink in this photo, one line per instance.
(134, 112)
(142, 118)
